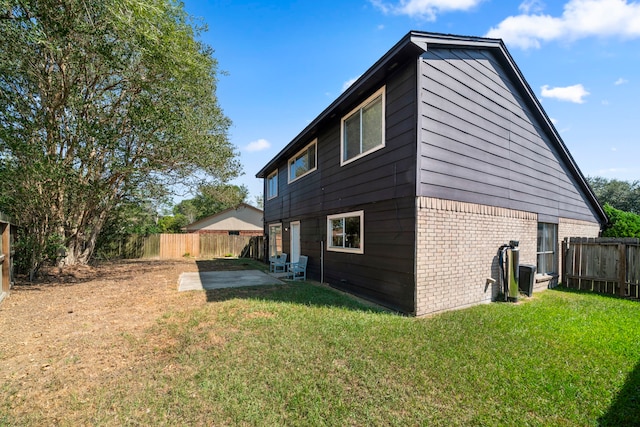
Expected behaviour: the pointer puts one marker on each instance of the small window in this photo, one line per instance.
(272, 184)
(547, 248)
(234, 233)
(363, 128)
(303, 162)
(345, 232)
(275, 240)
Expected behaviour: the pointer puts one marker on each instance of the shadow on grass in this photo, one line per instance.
(230, 264)
(625, 409)
(302, 293)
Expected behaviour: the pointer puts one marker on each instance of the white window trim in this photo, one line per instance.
(271, 175)
(554, 251)
(377, 93)
(315, 144)
(359, 250)
(275, 224)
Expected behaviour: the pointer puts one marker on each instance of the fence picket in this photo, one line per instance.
(175, 246)
(594, 264)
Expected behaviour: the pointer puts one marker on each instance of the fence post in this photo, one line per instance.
(622, 268)
(563, 255)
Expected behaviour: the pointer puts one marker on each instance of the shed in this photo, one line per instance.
(242, 220)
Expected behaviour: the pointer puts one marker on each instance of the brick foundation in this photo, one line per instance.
(457, 250)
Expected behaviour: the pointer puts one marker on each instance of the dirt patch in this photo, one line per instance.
(68, 333)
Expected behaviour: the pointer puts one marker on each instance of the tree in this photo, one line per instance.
(172, 224)
(212, 199)
(622, 195)
(102, 101)
(621, 223)
(187, 209)
(259, 201)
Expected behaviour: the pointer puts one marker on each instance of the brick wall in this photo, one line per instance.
(457, 251)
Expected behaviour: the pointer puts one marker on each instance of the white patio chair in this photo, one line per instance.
(278, 264)
(298, 270)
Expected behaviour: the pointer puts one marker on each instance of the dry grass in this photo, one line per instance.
(118, 345)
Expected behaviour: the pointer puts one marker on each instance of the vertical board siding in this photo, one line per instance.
(175, 246)
(6, 262)
(479, 140)
(179, 245)
(610, 266)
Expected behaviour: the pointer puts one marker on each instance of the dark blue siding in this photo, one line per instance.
(382, 184)
(480, 142)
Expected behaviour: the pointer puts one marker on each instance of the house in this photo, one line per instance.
(8, 231)
(242, 220)
(404, 188)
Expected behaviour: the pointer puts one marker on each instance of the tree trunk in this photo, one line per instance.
(80, 246)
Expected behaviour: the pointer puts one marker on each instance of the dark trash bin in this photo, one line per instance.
(527, 279)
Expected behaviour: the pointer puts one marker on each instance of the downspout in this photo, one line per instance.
(321, 261)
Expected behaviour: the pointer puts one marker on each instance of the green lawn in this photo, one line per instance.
(305, 355)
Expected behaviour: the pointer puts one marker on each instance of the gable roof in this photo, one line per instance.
(226, 215)
(410, 46)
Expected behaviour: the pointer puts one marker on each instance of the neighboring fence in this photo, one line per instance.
(603, 265)
(173, 246)
(7, 237)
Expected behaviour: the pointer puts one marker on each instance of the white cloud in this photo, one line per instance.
(348, 83)
(621, 81)
(574, 93)
(611, 171)
(531, 6)
(579, 19)
(258, 145)
(425, 9)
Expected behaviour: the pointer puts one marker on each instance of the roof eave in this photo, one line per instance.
(404, 47)
(578, 175)
(416, 43)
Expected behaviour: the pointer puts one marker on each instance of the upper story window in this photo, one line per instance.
(547, 248)
(303, 162)
(345, 232)
(362, 130)
(272, 184)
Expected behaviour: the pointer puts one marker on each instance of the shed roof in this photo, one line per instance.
(410, 46)
(224, 216)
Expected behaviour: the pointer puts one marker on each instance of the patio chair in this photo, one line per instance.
(278, 264)
(298, 270)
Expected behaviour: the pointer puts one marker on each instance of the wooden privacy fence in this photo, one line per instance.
(7, 237)
(604, 265)
(173, 246)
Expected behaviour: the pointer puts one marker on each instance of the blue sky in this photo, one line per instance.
(286, 61)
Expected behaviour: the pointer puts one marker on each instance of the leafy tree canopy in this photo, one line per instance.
(172, 224)
(621, 223)
(210, 200)
(622, 195)
(101, 102)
